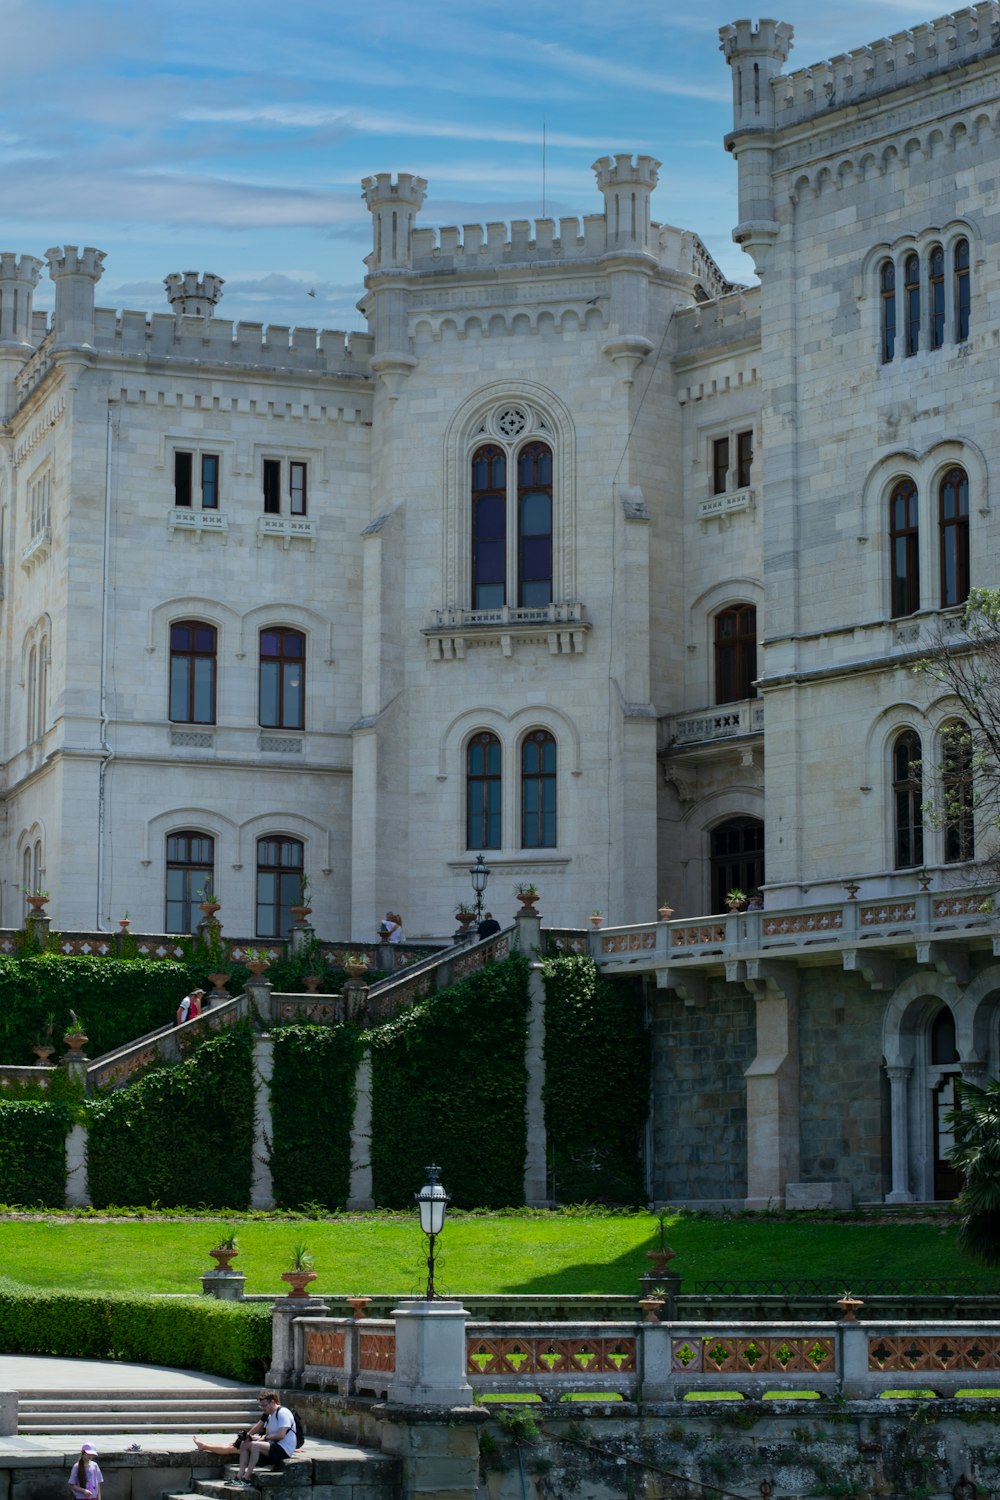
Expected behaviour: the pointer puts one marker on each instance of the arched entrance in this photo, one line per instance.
(736, 858)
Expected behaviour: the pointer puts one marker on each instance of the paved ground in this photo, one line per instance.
(29, 1372)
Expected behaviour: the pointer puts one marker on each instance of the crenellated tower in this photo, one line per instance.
(755, 55)
(394, 206)
(18, 279)
(76, 274)
(626, 186)
(192, 296)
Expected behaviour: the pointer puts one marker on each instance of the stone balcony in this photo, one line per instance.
(708, 726)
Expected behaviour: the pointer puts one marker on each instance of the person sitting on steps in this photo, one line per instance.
(277, 1441)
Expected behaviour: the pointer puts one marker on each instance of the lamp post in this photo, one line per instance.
(479, 873)
(432, 1201)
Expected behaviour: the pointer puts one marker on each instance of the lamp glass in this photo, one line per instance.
(433, 1201)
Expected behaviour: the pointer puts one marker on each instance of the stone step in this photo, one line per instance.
(209, 1411)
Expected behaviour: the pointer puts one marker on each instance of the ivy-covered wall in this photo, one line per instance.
(180, 1136)
(312, 1102)
(33, 1153)
(596, 1083)
(448, 1086)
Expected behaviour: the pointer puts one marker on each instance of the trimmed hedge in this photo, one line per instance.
(180, 1135)
(448, 1085)
(194, 1333)
(312, 1101)
(33, 1153)
(597, 1067)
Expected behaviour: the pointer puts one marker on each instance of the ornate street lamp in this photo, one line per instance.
(432, 1201)
(479, 873)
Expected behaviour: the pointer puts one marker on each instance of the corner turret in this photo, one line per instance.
(18, 279)
(76, 274)
(189, 296)
(394, 207)
(627, 187)
(756, 56)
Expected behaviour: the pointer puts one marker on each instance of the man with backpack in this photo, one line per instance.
(278, 1441)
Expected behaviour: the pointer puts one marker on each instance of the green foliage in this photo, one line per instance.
(312, 1107)
(195, 1333)
(33, 1153)
(181, 1134)
(519, 1426)
(976, 1154)
(448, 1085)
(596, 1083)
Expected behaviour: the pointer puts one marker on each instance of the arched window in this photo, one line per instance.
(489, 527)
(193, 646)
(963, 290)
(911, 303)
(957, 793)
(904, 545)
(907, 797)
(534, 525)
(482, 792)
(190, 877)
(887, 287)
(943, 1038)
(935, 296)
(736, 859)
(735, 653)
(279, 884)
(37, 881)
(41, 713)
(27, 883)
(538, 790)
(30, 696)
(282, 678)
(953, 533)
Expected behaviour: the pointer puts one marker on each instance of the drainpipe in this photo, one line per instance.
(106, 751)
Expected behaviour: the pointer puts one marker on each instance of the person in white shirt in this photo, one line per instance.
(277, 1442)
(85, 1477)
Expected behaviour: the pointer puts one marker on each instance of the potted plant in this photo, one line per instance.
(652, 1304)
(224, 1252)
(663, 1252)
(43, 1048)
(36, 897)
(300, 1272)
(355, 964)
(303, 909)
(664, 912)
(596, 918)
(526, 892)
(464, 915)
(207, 904)
(737, 899)
(75, 1036)
(125, 922)
(256, 961)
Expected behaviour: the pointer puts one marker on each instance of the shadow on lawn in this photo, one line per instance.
(618, 1277)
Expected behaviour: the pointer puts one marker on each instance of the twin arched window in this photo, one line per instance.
(191, 876)
(932, 302)
(484, 791)
(957, 796)
(36, 704)
(193, 673)
(953, 542)
(511, 497)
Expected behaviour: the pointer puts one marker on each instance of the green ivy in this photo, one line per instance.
(596, 1083)
(181, 1134)
(448, 1085)
(312, 1100)
(33, 1153)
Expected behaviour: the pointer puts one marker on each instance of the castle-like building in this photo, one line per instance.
(581, 557)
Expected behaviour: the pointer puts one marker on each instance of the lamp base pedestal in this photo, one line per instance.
(430, 1355)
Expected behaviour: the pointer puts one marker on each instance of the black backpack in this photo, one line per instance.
(299, 1429)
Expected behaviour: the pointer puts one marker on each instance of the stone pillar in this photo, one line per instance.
(430, 1355)
(653, 1347)
(355, 993)
(225, 1286)
(262, 1186)
(755, 56)
(361, 1139)
(855, 1381)
(77, 1187)
(283, 1375)
(773, 1086)
(536, 1152)
(38, 925)
(302, 935)
(439, 1459)
(8, 1413)
(258, 992)
(76, 274)
(900, 1132)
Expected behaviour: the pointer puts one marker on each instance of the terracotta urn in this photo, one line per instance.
(359, 1305)
(665, 913)
(528, 901)
(849, 1303)
(300, 912)
(258, 965)
(223, 1260)
(298, 1281)
(465, 919)
(218, 983)
(209, 908)
(38, 903)
(124, 923)
(75, 1042)
(355, 971)
(312, 982)
(660, 1258)
(596, 920)
(651, 1305)
(43, 1052)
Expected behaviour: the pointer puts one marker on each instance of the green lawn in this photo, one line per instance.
(556, 1253)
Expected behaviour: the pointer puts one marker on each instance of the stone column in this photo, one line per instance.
(262, 1186)
(430, 1355)
(283, 1374)
(361, 1139)
(773, 1086)
(900, 1132)
(529, 940)
(76, 274)
(77, 1186)
(653, 1347)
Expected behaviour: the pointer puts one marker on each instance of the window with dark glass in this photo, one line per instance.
(282, 678)
(482, 792)
(272, 486)
(957, 793)
(489, 527)
(209, 481)
(279, 885)
(538, 790)
(297, 488)
(720, 466)
(935, 295)
(736, 859)
(907, 796)
(534, 525)
(887, 286)
(911, 302)
(904, 546)
(963, 290)
(953, 531)
(744, 458)
(183, 469)
(193, 652)
(735, 653)
(190, 877)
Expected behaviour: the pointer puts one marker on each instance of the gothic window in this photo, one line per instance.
(911, 303)
(489, 529)
(957, 793)
(193, 646)
(482, 792)
(736, 859)
(512, 521)
(887, 287)
(282, 678)
(907, 796)
(534, 523)
(279, 884)
(735, 653)
(538, 790)
(962, 290)
(30, 697)
(953, 534)
(935, 295)
(904, 547)
(190, 877)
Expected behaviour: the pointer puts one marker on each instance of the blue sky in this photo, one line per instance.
(232, 137)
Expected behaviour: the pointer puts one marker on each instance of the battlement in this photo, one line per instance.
(25, 268)
(71, 261)
(621, 171)
(906, 57)
(731, 318)
(191, 293)
(221, 341)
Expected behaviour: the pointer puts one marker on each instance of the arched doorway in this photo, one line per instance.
(736, 858)
(943, 1072)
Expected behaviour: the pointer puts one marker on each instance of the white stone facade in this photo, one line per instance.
(615, 342)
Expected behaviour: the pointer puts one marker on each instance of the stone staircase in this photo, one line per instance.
(131, 1411)
(353, 1473)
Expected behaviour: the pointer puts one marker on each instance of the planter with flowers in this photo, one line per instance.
(526, 892)
(300, 1273)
